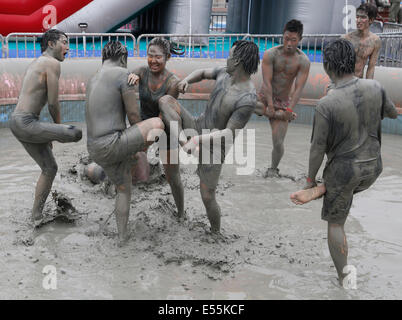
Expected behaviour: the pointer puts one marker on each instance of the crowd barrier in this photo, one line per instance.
(214, 46)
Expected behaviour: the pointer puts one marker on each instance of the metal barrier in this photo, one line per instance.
(214, 46)
(91, 44)
(195, 46)
(389, 27)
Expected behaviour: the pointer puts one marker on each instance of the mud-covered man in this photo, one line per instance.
(110, 143)
(41, 86)
(281, 67)
(367, 44)
(231, 104)
(347, 128)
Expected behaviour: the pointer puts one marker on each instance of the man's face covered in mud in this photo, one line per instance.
(362, 20)
(290, 41)
(156, 59)
(60, 48)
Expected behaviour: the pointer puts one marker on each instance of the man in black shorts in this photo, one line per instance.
(41, 86)
(347, 128)
(231, 104)
(110, 143)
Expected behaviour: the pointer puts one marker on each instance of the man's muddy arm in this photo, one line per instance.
(131, 106)
(373, 59)
(300, 82)
(53, 75)
(388, 107)
(318, 146)
(197, 76)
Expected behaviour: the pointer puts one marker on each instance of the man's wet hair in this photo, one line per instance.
(340, 57)
(369, 9)
(248, 53)
(294, 26)
(51, 35)
(113, 50)
(166, 46)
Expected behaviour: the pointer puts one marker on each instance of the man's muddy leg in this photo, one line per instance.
(338, 247)
(43, 156)
(212, 207)
(172, 172)
(122, 208)
(171, 112)
(279, 129)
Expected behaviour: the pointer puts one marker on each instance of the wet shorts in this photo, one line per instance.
(115, 153)
(344, 178)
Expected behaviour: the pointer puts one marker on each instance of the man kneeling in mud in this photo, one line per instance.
(347, 127)
(110, 143)
(231, 104)
(41, 85)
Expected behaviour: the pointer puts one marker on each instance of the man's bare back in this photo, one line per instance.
(366, 48)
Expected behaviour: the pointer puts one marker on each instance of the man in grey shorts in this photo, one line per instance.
(110, 143)
(41, 85)
(231, 104)
(347, 128)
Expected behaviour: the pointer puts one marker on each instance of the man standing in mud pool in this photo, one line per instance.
(367, 44)
(347, 128)
(41, 86)
(110, 143)
(231, 104)
(281, 67)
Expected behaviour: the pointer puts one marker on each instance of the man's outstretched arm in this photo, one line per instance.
(300, 82)
(197, 76)
(373, 59)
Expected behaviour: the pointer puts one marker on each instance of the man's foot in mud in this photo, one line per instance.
(305, 196)
(123, 240)
(272, 173)
(39, 221)
(217, 236)
(180, 217)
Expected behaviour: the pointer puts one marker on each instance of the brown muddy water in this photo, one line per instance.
(271, 249)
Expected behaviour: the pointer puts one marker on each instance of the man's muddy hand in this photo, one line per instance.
(182, 86)
(133, 79)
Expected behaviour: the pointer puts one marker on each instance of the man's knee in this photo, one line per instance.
(77, 135)
(74, 134)
(157, 123)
